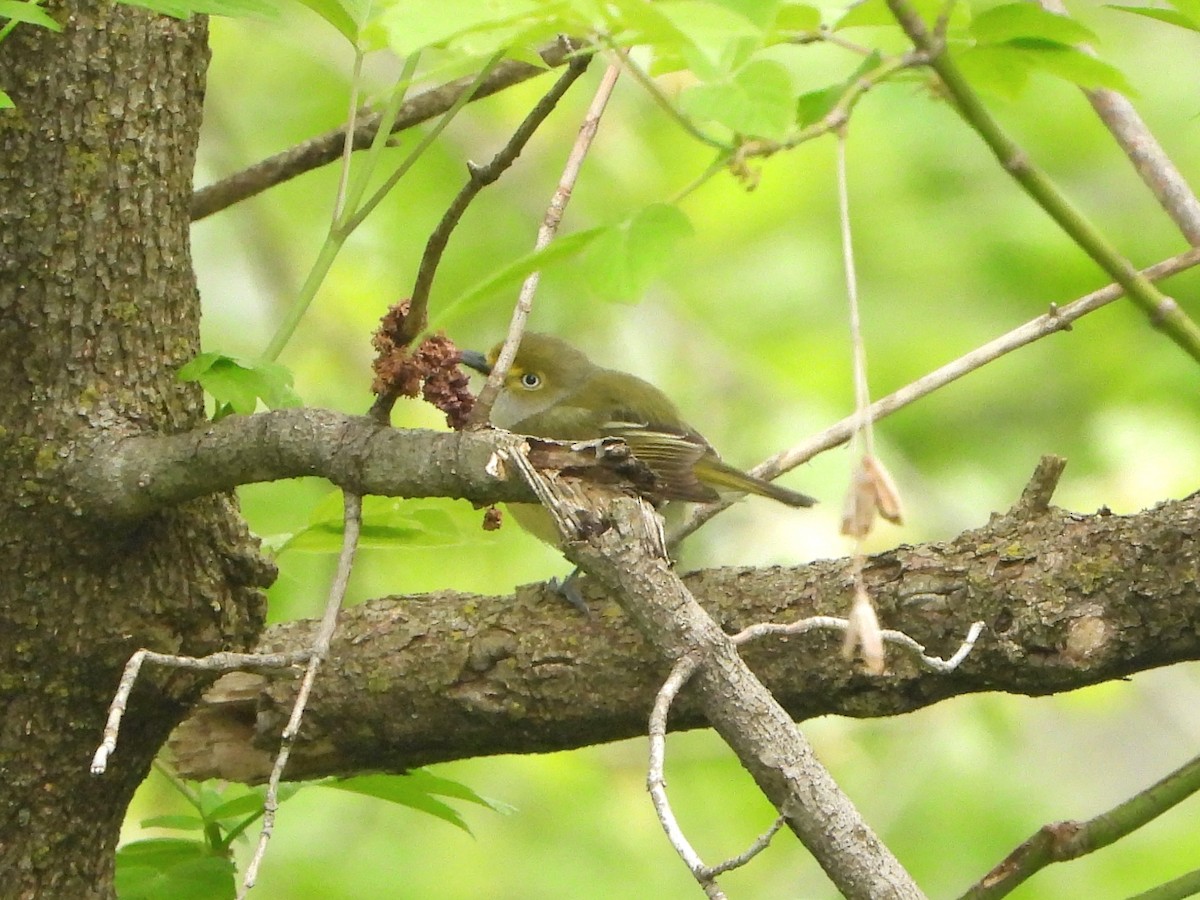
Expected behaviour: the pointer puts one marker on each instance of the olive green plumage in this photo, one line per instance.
(554, 391)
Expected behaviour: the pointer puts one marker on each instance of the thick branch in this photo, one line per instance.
(325, 148)
(1068, 600)
(131, 477)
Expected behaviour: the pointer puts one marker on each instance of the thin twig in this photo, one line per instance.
(1164, 313)
(683, 670)
(1057, 319)
(760, 844)
(424, 144)
(656, 781)
(664, 102)
(316, 655)
(917, 649)
(339, 203)
(862, 392)
(1187, 885)
(215, 662)
(479, 178)
(1149, 158)
(1064, 841)
(839, 114)
(326, 148)
(860, 507)
(549, 227)
(344, 225)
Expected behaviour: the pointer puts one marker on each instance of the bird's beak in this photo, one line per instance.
(473, 359)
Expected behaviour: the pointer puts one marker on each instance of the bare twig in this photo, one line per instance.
(656, 781)
(683, 670)
(813, 623)
(862, 504)
(1057, 319)
(549, 227)
(664, 103)
(1035, 498)
(760, 844)
(316, 655)
(839, 114)
(1149, 158)
(1164, 313)
(1064, 841)
(325, 148)
(216, 662)
(344, 224)
(479, 178)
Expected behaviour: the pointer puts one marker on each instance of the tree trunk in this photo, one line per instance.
(98, 308)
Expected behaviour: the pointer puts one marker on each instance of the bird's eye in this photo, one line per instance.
(531, 381)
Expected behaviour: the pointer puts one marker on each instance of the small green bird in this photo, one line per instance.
(554, 391)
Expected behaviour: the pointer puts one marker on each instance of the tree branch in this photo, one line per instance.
(127, 478)
(1149, 158)
(424, 679)
(1163, 312)
(326, 148)
(480, 177)
(1058, 318)
(1063, 841)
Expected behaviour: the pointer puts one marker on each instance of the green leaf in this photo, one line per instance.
(183, 9)
(718, 40)
(797, 17)
(29, 13)
(1027, 20)
(997, 69)
(758, 101)
(508, 277)
(815, 105)
(621, 265)
(248, 804)
(172, 869)
(389, 523)
(875, 14)
(475, 27)
(179, 823)
(417, 790)
(1003, 69)
(1170, 16)
(346, 17)
(240, 384)
(6, 102)
(761, 12)
(1072, 64)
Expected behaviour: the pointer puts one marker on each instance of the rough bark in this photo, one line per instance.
(1068, 600)
(98, 308)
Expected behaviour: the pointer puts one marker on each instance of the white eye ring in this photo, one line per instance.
(531, 381)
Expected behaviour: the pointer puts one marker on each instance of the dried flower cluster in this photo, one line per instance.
(431, 371)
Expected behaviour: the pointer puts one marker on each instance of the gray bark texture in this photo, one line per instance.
(1068, 600)
(98, 308)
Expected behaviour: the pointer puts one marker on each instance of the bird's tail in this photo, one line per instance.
(714, 472)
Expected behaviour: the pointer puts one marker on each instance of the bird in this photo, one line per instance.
(554, 391)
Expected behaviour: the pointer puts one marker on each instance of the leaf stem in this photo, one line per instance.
(1163, 311)
(1062, 841)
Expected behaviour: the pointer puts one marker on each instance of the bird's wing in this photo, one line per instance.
(671, 455)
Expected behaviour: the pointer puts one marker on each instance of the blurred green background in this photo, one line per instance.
(747, 330)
